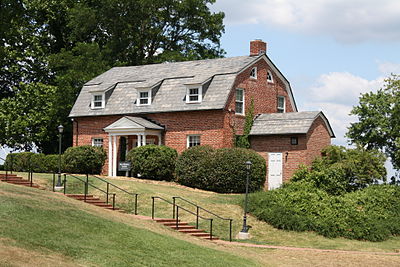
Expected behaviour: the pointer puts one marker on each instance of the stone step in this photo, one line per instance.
(77, 195)
(182, 227)
(165, 220)
(201, 234)
(208, 238)
(189, 231)
(174, 223)
(8, 175)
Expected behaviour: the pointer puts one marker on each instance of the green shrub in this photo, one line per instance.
(153, 162)
(37, 162)
(221, 170)
(84, 159)
(18, 161)
(1, 167)
(369, 214)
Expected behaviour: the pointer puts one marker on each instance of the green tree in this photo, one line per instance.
(378, 125)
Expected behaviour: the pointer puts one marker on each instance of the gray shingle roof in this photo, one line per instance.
(128, 122)
(287, 123)
(171, 78)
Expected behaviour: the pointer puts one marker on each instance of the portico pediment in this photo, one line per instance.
(128, 124)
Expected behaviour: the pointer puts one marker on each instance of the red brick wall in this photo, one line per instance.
(309, 147)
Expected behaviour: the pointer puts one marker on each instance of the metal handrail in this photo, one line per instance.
(210, 212)
(177, 207)
(121, 189)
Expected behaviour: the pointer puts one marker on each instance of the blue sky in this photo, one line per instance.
(331, 51)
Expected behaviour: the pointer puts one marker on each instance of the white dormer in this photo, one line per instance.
(98, 100)
(143, 96)
(194, 93)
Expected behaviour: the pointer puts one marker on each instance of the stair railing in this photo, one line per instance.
(108, 184)
(198, 208)
(176, 209)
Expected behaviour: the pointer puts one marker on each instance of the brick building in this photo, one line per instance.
(190, 103)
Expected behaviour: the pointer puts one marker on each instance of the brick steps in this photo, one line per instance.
(183, 227)
(17, 180)
(90, 199)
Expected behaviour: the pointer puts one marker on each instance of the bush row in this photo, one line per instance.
(25, 161)
(369, 214)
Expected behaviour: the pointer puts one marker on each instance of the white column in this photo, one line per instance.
(139, 140)
(114, 172)
(110, 155)
(159, 139)
(144, 139)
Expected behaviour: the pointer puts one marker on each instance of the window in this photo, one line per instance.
(193, 140)
(253, 73)
(281, 104)
(239, 107)
(144, 98)
(97, 142)
(194, 94)
(270, 79)
(98, 101)
(294, 140)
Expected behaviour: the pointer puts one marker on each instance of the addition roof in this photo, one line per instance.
(168, 84)
(287, 123)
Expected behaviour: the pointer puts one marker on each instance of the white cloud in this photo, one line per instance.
(387, 68)
(346, 20)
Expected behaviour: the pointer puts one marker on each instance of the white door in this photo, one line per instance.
(274, 170)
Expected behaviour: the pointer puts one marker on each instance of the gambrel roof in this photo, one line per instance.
(168, 84)
(287, 123)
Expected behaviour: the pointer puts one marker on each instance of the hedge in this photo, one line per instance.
(37, 162)
(84, 159)
(369, 214)
(220, 170)
(153, 162)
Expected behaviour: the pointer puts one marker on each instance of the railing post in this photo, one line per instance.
(7, 174)
(31, 175)
(12, 162)
(173, 208)
(54, 181)
(177, 217)
(65, 183)
(197, 217)
(136, 197)
(152, 208)
(108, 187)
(211, 226)
(230, 230)
(113, 201)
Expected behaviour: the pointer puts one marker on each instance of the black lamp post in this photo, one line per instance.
(60, 131)
(248, 167)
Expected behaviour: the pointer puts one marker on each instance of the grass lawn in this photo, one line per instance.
(226, 205)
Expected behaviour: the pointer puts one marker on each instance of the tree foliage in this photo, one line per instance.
(243, 140)
(65, 43)
(378, 125)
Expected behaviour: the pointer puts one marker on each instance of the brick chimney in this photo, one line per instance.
(257, 47)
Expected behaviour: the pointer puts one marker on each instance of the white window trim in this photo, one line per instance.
(255, 73)
(103, 100)
(188, 137)
(93, 142)
(200, 95)
(272, 77)
(284, 104)
(138, 97)
(244, 101)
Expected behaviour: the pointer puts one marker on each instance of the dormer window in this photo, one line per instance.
(281, 104)
(194, 94)
(144, 97)
(270, 79)
(97, 101)
(253, 73)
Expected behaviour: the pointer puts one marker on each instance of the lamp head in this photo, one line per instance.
(248, 164)
(60, 129)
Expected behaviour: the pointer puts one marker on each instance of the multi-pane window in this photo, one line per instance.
(269, 77)
(193, 140)
(97, 101)
(281, 104)
(97, 142)
(253, 73)
(144, 98)
(194, 95)
(239, 108)
(294, 140)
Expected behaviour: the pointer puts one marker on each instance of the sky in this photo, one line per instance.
(331, 51)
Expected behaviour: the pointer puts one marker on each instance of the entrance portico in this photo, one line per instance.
(128, 127)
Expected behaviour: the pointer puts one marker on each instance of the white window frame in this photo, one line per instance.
(269, 73)
(95, 141)
(103, 100)
(199, 94)
(139, 91)
(188, 141)
(240, 101)
(283, 109)
(253, 73)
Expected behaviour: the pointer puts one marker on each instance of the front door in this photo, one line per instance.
(274, 170)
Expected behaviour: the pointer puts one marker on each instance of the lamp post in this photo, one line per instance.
(60, 131)
(244, 233)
